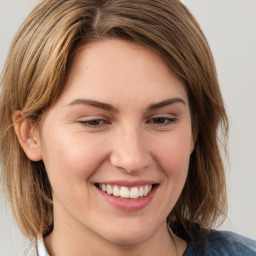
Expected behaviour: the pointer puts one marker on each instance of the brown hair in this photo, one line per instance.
(34, 77)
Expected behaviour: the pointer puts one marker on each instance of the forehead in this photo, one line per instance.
(114, 69)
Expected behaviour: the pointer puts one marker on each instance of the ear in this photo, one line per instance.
(28, 136)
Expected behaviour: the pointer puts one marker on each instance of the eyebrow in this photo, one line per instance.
(93, 103)
(109, 107)
(165, 103)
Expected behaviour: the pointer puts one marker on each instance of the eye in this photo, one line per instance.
(161, 121)
(93, 123)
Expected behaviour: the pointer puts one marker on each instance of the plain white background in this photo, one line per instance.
(230, 27)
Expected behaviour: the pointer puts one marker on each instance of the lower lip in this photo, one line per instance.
(129, 204)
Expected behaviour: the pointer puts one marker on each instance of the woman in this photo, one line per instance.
(109, 116)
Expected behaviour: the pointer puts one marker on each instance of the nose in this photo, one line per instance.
(130, 151)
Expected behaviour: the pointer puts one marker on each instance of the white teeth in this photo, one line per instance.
(145, 191)
(141, 191)
(116, 191)
(134, 192)
(109, 189)
(125, 192)
(149, 188)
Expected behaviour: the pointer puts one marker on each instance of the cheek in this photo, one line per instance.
(70, 162)
(71, 158)
(173, 154)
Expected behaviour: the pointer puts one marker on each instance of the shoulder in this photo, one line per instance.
(230, 243)
(222, 243)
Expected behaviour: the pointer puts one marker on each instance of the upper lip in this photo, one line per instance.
(126, 183)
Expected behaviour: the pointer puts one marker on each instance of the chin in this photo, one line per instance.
(128, 236)
(129, 239)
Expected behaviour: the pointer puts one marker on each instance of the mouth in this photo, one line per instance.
(124, 192)
(127, 196)
(134, 192)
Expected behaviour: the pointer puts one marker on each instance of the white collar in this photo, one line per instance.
(41, 247)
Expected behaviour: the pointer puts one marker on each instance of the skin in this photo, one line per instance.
(82, 144)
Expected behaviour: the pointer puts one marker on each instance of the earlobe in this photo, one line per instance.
(28, 136)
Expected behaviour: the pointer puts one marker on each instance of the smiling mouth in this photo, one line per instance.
(126, 192)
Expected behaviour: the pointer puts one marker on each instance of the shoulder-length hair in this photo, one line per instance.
(34, 76)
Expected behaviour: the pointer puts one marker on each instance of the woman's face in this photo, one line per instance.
(122, 125)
